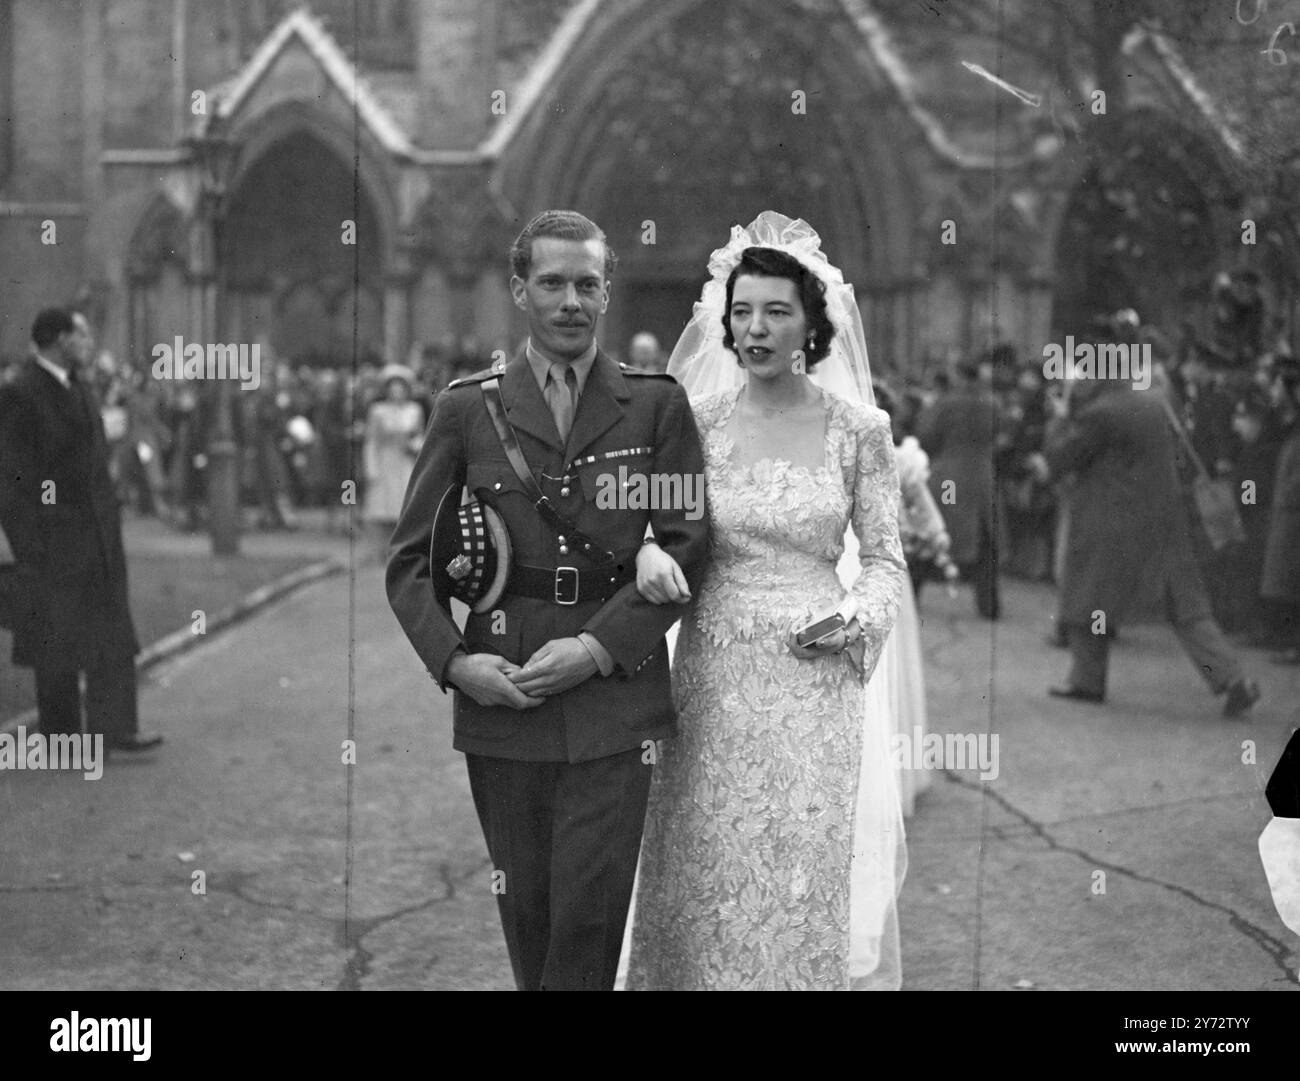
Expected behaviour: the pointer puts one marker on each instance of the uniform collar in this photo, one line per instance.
(542, 367)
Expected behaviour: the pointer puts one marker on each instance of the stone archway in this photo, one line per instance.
(1139, 228)
(650, 130)
(295, 271)
(158, 301)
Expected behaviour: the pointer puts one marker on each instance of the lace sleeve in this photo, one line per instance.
(878, 588)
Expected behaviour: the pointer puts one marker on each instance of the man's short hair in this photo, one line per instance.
(49, 324)
(562, 225)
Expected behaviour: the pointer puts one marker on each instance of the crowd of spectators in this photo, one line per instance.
(303, 431)
(1238, 409)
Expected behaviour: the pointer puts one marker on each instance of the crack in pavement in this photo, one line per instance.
(1274, 948)
(234, 883)
(352, 933)
(1122, 812)
(1007, 832)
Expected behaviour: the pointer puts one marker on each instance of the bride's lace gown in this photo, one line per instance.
(745, 866)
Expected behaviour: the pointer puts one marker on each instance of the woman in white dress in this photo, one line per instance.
(394, 425)
(773, 845)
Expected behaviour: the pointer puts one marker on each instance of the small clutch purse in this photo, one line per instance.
(819, 630)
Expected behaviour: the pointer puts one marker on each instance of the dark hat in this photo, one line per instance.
(469, 555)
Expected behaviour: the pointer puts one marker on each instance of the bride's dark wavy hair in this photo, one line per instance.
(771, 263)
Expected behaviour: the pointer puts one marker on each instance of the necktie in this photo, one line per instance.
(562, 396)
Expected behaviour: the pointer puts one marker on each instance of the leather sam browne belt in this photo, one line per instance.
(568, 585)
(559, 585)
(510, 444)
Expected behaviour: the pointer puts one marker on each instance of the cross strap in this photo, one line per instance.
(510, 444)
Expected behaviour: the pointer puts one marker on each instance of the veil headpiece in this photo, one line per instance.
(703, 365)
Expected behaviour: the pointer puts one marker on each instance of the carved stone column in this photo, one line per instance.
(399, 278)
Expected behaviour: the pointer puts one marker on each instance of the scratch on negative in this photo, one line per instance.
(1029, 99)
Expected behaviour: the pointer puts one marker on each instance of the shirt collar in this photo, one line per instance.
(53, 369)
(542, 367)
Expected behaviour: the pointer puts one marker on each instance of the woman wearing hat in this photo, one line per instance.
(393, 433)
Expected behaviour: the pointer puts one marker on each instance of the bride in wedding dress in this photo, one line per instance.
(773, 850)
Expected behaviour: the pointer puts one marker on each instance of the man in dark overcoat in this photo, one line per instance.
(61, 513)
(1129, 546)
(562, 687)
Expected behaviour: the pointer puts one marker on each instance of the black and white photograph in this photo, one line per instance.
(650, 495)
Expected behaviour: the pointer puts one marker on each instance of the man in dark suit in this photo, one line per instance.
(562, 688)
(60, 510)
(958, 431)
(1129, 550)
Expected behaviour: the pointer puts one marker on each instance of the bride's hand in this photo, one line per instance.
(659, 579)
(832, 643)
(836, 642)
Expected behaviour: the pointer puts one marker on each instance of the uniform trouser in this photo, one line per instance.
(1201, 639)
(564, 840)
(110, 697)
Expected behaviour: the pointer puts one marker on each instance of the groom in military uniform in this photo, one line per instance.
(561, 673)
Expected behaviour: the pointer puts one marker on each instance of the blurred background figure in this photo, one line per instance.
(145, 476)
(329, 416)
(1129, 550)
(271, 406)
(1280, 584)
(645, 354)
(1259, 442)
(394, 431)
(187, 470)
(1028, 499)
(957, 431)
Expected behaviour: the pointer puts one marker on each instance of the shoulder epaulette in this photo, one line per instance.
(477, 377)
(627, 369)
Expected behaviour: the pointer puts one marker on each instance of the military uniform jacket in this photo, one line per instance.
(641, 422)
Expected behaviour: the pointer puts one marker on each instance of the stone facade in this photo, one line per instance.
(440, 126)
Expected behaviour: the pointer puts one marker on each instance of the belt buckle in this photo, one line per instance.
(559, 578)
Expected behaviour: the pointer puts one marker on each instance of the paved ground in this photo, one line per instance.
(172, 574)
(1150, 789)
(322, 875)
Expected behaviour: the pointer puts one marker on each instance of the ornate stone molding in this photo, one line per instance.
(459, 228)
